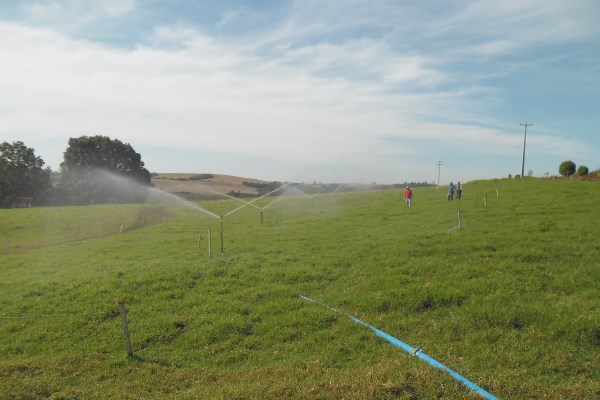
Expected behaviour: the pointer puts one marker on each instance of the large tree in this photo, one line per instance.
(98, 169)
(23, 178)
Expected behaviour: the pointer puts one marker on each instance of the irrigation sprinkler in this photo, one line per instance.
(121, 230)
(199, 238)
(414, 351)
(251, 203)
(485, 200)
(261, 216)
(460, 225)
(497, 193)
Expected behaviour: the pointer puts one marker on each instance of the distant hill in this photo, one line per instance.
(204, 185)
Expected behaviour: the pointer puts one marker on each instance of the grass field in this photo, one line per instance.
(511, 300)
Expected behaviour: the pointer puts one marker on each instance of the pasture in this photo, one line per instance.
(511, 300)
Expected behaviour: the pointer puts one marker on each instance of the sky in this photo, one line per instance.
(309, 91)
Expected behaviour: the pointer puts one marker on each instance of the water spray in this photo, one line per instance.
(414, 351)
(234, 198)
(251, 203)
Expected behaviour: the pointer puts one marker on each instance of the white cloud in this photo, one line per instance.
(494, 28)
(53, 10)
(279, 96)
(116, 7)
(208, 96)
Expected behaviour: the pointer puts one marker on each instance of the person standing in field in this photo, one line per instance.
(408, 195)
(451, 189)
(458, 190)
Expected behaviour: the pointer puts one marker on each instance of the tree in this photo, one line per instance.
(22, 176)
(566, 168)
(98, 169)
(582, 170)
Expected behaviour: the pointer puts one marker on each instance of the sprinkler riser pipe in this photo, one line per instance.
(209, 242)
(222, 251)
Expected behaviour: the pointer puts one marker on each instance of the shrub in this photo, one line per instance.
(566, 168)
(582, 170)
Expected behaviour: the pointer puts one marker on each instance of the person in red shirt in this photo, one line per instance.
(408, 195)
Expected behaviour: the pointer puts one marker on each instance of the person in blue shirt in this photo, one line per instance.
(451, 189)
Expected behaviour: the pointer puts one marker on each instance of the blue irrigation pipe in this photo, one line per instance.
(415, 351)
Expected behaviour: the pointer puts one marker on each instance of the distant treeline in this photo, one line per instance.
(261, 188)
(199, 177)
(256, 185)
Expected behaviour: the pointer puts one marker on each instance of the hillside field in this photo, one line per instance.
(511, 300)
(210, 186)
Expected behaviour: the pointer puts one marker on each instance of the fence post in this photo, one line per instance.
(209, 242)
(125, 327)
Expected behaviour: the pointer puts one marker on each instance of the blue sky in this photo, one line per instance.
(354, 91)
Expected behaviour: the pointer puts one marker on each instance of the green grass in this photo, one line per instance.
(511, 300)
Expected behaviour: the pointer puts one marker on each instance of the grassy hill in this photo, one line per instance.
(510, 300)
(205, 185)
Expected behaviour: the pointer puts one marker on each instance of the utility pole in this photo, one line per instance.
(524, 141)
(439, 164)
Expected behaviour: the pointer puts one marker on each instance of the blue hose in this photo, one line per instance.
(417, 352)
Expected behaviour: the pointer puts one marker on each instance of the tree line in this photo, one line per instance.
(83, 179)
